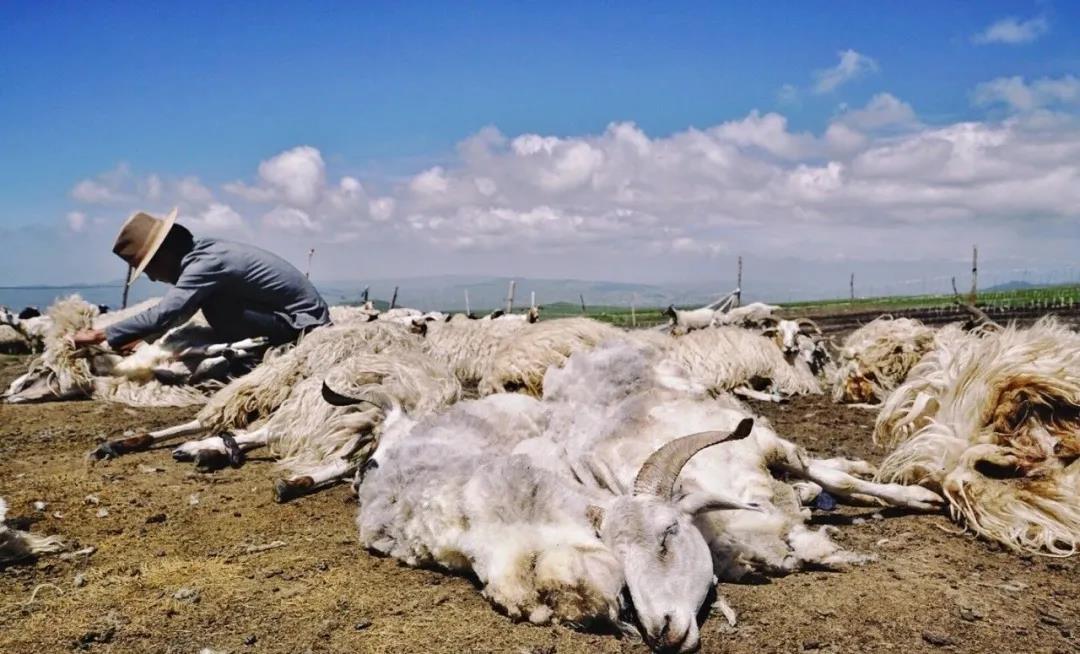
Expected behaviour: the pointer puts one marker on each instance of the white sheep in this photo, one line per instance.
(318, 434)
(16, 545)
(992, 421)
(259, 393)
(449, 491)
(684, 321)
(166, 372)
(875, 358)
(749, 315)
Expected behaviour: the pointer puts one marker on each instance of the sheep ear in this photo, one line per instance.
(596, 517)
(695, 503)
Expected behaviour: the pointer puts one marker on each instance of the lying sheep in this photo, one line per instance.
(751, 315)
(174, 370)
(259, 393)
(318, 434)
(612, 406)
(468, 346)
(449, 491)
(519, 363)
(992, 421)
(16, 545)
(734, 359)
(876, 358)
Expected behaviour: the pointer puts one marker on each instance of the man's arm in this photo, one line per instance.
(196, 283)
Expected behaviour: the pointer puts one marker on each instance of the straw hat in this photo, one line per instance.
(140, 238)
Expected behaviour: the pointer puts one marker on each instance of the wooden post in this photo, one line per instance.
(738, 284)
(974, 273)
(468, 310)
(582, 296)
(393, 300)
(127, 287)
(510, 296)
(851, 285)
(633, 312)
(365, 295)
(310, 254)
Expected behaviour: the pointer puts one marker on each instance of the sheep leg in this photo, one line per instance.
(217, 451)
(144, 441)
(842, 484)
(323, 476)
(747, 392)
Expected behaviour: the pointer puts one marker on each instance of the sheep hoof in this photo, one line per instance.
(113, 449)
(182, 455)
(287, 489)
(235, 454)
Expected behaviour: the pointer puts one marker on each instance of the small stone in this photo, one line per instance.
(93, 500)
(187, 596)
(80, 580)
(102, 513)
(1046, 617)
(970, 615)
(156, 519)
(362, 625)
(811, 645)
(937, 639)
(251, 640)
(193, 499)
(39, 506)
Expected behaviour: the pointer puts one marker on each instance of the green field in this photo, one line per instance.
(1067, 295)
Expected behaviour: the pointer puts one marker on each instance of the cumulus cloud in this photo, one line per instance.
(1012, 31)
(852, 64)
(1019, 95)
(875, 184)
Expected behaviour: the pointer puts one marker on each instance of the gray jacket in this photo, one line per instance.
(226, 272)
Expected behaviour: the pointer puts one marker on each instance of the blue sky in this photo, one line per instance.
(385, 92)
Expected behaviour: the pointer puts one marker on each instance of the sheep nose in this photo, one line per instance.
(672, 639)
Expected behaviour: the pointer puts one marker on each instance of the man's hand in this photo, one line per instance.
(85, 337)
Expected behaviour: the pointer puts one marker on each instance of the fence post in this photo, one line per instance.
(510, 297)
(393, 300)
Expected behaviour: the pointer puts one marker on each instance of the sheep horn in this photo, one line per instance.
(659, 472)
(375, 396)
(807, 321)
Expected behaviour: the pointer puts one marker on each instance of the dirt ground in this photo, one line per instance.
(179, 564)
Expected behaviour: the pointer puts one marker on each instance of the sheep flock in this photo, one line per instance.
(601, 478)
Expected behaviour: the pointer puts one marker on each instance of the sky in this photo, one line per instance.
(640, 142)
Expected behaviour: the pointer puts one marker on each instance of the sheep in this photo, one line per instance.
(449, 491)
(260, 392)
(615, 404)
(530, 316)
(163, 373)
(750, 315)
(29, 327)
(876, 358)
(519, 363)
(731, 358)
(992, 421)
(467, 346)
(317, 432)
(16, 545)
(686, 321)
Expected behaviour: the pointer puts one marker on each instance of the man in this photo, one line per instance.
(242, 291)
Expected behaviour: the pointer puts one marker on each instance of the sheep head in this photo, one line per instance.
(667, 563)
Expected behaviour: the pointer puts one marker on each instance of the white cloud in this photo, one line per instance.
(852, 64)
(788, 94)
(876, 184)
(1012, 31)
(76, 221)
(217, 218)
(1021, 96)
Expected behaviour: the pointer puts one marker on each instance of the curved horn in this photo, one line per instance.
(768, 322)
(375, 396)
(806, 321)
(659, 472)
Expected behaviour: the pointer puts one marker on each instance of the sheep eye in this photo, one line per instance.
(671, 530)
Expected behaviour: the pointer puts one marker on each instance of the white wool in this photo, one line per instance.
(724, 358)
(257, 394)
(875, 358)
(520, 363)
(16, 545)
(994, 422)
(468, 346)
